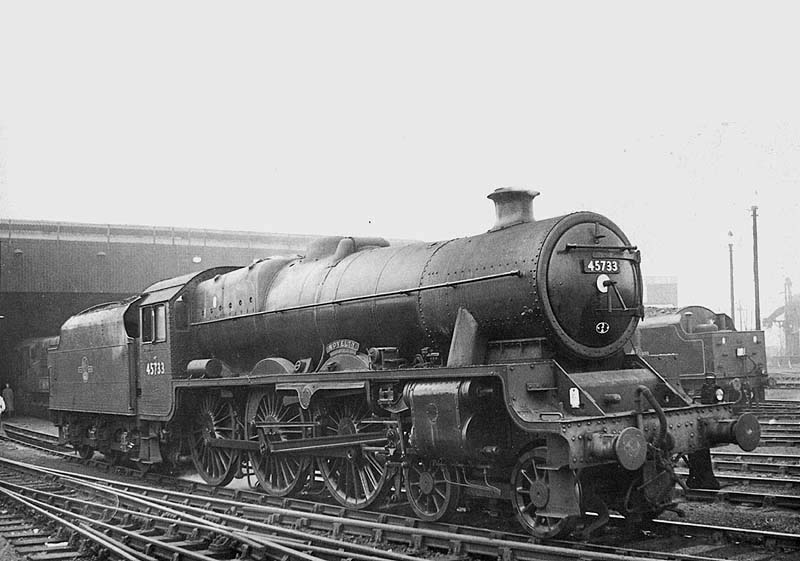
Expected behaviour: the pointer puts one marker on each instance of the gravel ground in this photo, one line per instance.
(739, 516)
(752, 517)
(7, 553)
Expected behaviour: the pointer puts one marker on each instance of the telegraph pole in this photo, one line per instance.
(754, 209)
(788, 320)
(730, 258)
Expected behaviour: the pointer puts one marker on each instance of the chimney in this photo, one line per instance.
(512, 205)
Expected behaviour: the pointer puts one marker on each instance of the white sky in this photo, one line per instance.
(396, 119)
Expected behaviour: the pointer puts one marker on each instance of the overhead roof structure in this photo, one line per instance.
(52, 270)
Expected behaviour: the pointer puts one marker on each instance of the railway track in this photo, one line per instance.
(322, 529)
(785, 424)
(34, 540)
(780, 429)
(778, 469)
(35, 438)
(418, 537)
(768, 498)
(120, 524)
(35, 537)
(48, 443)
(767, 457)
(784, 381)
(775, 406)
(780, 439)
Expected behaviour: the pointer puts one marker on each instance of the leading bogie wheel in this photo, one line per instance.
(432, 489)
(215, 418)
(358, 476)
(270, 416)
(531, 497)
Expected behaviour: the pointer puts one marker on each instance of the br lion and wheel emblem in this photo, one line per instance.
(602, 328)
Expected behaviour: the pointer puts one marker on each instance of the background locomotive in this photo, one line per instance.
(707, 349)
(487, 366)
(31, 383)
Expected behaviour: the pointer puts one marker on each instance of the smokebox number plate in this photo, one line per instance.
(595, 266)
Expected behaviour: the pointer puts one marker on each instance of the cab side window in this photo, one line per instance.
(147, 325)
(180, 312)
(154, 324)
(160, 323)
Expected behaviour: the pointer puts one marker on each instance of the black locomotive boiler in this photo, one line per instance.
(485, 367)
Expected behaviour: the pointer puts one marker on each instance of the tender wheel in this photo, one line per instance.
(216, 418)
(357, 477)
(431, 490)
(531, 497)
(279, 474)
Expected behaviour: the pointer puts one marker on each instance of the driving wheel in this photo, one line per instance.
(357, 476)
(271, 417)
(215, 418)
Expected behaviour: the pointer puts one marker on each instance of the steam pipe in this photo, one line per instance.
(662, 418)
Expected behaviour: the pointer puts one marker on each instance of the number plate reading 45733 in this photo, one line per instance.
(594, 266)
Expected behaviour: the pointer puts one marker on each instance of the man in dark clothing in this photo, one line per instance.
(708, 392)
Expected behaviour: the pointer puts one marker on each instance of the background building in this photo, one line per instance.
(660, 291)
(52, 270)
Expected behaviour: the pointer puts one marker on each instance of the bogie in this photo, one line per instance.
(432, 489)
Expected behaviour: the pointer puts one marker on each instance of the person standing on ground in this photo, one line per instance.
(2, 411)
(8, 397)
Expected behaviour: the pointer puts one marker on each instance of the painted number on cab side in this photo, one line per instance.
(154, 368)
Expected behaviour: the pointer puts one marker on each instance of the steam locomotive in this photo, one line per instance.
(708, 351)
(479, 368)
(30, 369)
